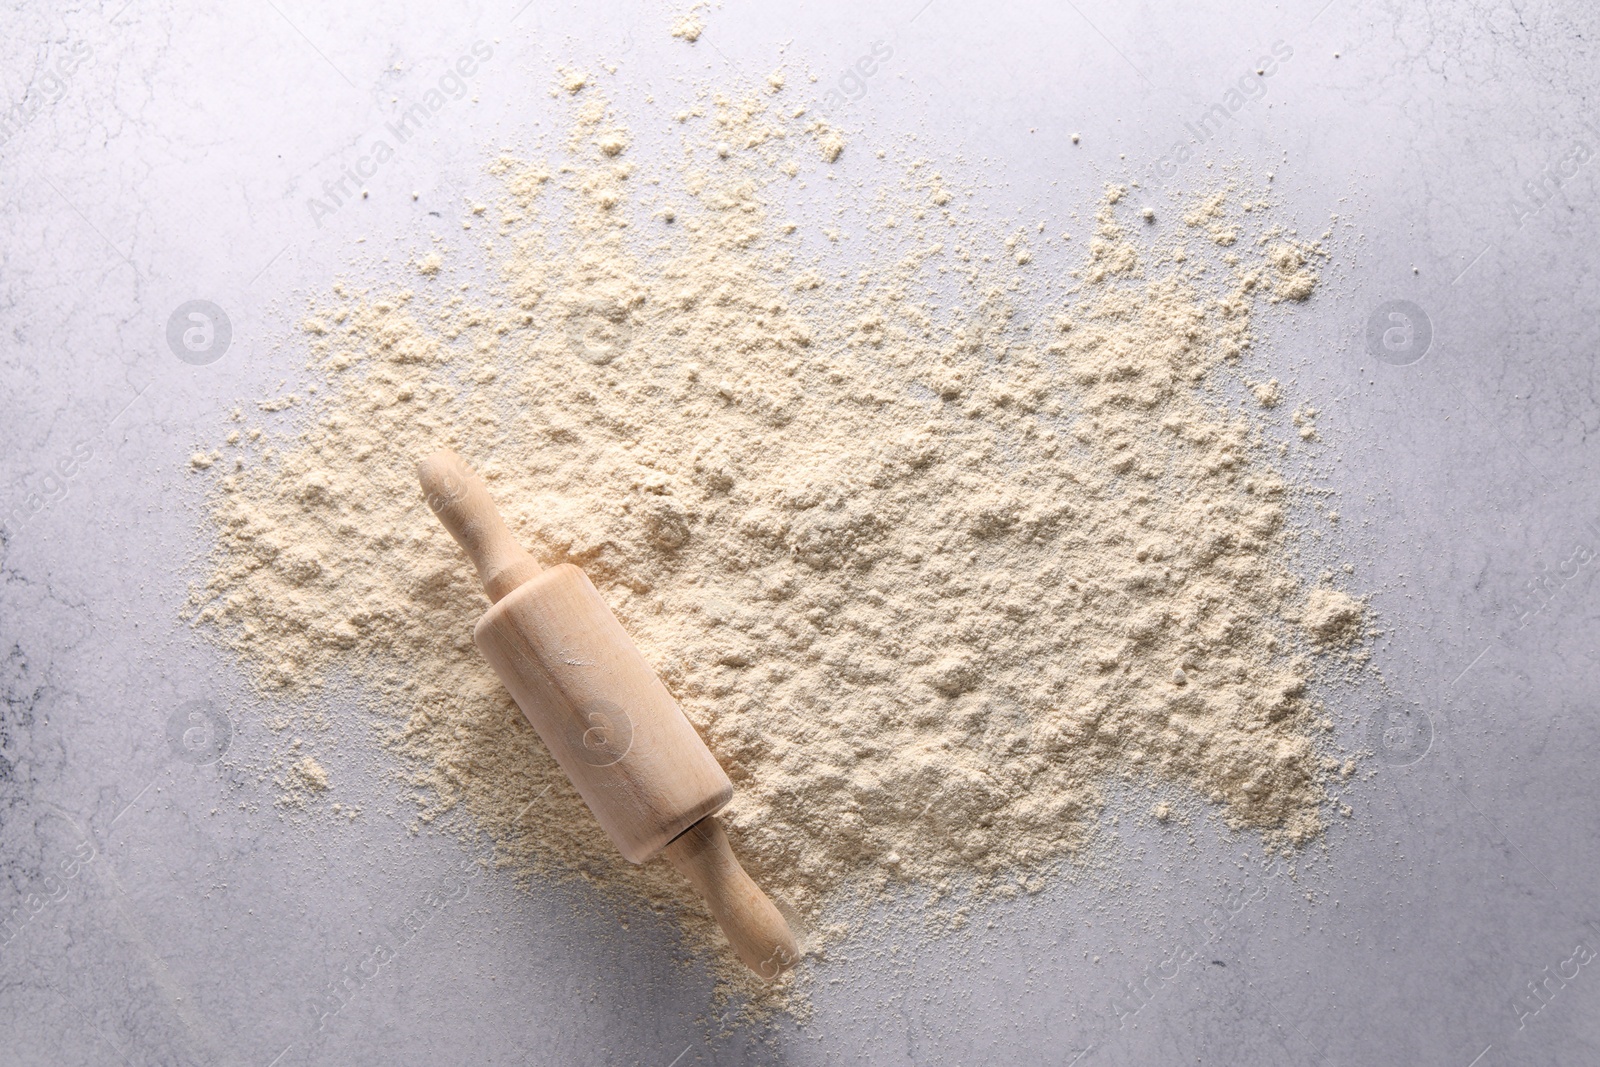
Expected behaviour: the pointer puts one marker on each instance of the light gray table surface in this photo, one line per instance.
(156, 906)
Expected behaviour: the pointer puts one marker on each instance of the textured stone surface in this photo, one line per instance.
(157, 906)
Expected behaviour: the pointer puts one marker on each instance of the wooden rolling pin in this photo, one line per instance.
(604, 715)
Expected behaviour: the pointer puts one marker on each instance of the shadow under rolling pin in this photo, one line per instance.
(582, 684)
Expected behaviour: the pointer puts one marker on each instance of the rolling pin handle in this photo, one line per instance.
(754, 925)
(460, 499)
(701, 853)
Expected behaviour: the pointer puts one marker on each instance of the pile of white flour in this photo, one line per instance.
(925, 572)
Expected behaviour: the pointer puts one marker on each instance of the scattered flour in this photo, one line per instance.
(300, 781)
(1268, 393)
(572, 80)
(1295, 280)
(311, 774)
(1334, 618)
(925, 571)
(688, 27)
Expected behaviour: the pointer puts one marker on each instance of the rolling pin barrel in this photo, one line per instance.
(602, 711)
(605, 716)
